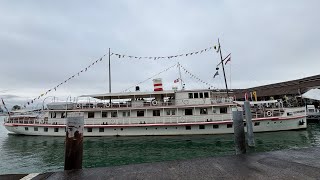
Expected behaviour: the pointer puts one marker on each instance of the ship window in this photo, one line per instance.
(190, 95)
(206, 95)
(229, 125)
(104, 114)
(89, 129)
(289, 114)
(45, 129)
(215, 126)
(256, 123)
(188, 112)
(90, 114)
(195, 95)
(188, 127)
(114, 114)
(53, 115)
(201, 95)
(101, 129)
(201, 126)
(26, 128)
(168, 112)
(56, 129)
(244, 124)
(223, 110)
(156, 112)
(126, 114)
(203, 111)
(173, 112)
(63, 115)
(35, 128)
(140, 113)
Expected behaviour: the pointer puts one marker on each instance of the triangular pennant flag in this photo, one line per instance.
(229, 59)
(216, 74)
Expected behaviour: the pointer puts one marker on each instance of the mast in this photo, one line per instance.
(224, 74)
(109, 73)
(180, 76)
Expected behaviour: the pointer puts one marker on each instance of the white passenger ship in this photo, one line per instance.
(173, 112)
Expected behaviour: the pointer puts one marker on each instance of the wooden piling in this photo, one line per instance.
(250, 136)
(239, 136)
(74, 141)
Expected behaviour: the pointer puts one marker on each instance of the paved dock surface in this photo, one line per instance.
(287, 164)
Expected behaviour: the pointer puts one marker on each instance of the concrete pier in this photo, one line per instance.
(287, 164)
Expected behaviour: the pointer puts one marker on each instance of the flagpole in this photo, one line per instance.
(110, 74)
(224, 74)
(180, 75)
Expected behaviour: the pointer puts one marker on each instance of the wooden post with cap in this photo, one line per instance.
(74, 141)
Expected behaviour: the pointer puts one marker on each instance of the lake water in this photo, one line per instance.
(27, 154)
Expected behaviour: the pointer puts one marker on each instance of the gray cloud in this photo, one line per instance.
(43, 43)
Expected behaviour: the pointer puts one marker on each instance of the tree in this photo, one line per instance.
(16, 107)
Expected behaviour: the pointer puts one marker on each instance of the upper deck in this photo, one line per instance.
(148, 100)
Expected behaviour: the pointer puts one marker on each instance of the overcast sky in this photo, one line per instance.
(42, 43)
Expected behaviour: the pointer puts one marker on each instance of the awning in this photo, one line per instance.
(312, 94)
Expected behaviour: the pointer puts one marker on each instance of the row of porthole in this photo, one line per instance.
(187, 127)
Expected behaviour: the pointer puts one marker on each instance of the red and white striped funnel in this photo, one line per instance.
(157, 84)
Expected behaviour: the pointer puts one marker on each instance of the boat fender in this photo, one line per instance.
(269, 113)
(107, 105)
(154, 102)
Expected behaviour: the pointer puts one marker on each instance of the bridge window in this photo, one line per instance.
(188, 112)
(90, 114)
(104, 114)
(63, 115)
(196, 95)
(201, 95)
(114, 114)
(140, 113)
(206, 95)
(53, 115)
(190, 95)
(203, 111)
(223, 110)
(156, 112)
(126, 114)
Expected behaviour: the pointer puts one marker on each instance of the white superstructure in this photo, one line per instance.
(157, 113)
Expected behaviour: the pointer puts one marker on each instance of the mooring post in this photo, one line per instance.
(250, 135)
(74, 141)
(239, 136)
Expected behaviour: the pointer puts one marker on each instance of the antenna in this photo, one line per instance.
(224, 74)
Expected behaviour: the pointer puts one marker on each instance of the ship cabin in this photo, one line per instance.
(147, 107)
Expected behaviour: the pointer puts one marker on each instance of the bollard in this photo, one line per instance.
(239, 136)
(74, 141)
(250, 135)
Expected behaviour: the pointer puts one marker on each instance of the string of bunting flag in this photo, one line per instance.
(195, 77)
(165, 57)
(165, 70)
(65, 81)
